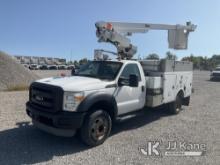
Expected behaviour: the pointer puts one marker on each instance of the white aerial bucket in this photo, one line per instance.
(178, 38)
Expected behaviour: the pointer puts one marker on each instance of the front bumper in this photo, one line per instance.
(215, 77)
(60, 123)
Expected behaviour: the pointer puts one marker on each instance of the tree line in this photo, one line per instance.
(203, 63)
(78, 63)
(199, 62)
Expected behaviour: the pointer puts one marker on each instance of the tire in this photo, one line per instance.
(176, 106)
(96, 128)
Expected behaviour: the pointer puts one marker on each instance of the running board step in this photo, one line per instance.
(128, 116)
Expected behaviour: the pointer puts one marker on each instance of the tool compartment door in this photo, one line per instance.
(187, 83)
(169, 87)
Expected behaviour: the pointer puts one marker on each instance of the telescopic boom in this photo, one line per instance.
(116, 33)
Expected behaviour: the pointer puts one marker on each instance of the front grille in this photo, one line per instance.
(46, 97)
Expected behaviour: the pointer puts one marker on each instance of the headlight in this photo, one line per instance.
(71, 100)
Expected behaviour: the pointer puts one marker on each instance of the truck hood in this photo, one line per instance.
(76, 83)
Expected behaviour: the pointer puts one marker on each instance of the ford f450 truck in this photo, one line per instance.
(92, 99)
(103, 90)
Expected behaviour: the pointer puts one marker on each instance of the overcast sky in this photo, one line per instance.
(57, 27)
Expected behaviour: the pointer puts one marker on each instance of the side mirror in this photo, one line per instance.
(133, 80)
(123, 82)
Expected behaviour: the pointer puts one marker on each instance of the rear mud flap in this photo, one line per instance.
(186, 101)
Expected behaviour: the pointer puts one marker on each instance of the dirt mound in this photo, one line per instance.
(14, 75)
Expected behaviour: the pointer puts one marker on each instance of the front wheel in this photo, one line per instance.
(96, 128)
(176, 106)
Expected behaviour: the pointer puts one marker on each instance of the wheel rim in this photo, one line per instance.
(99, 128)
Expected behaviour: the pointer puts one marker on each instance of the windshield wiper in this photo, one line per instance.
(94, 76)
(105, 78)
(87, 75)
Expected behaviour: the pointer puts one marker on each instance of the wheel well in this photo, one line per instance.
(104, 105)
(181, 94)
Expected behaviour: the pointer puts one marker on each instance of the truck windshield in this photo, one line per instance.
(100, 69)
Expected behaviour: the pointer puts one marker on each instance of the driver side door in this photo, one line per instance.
(130, 98)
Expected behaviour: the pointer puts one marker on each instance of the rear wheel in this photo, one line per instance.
(96, 128)
(176, 106)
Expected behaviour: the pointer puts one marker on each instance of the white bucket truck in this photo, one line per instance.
(103, 90)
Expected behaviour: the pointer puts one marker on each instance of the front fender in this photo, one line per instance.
(96, 97)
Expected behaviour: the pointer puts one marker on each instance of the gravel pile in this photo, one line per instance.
(13, 74)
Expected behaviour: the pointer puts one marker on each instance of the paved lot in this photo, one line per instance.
(21, 143)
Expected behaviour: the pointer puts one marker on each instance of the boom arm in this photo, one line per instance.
(117, 32)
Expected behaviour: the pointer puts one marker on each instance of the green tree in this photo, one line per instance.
(153, 56)
(76, 63)
(204, 63)
(170, 56)
(215, 60)
(83, 61)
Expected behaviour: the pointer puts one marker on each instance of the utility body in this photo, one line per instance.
(103, 91)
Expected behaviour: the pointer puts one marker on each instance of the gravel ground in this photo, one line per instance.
(21, 143)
